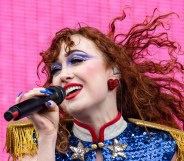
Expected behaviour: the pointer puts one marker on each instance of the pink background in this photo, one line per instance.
(26, 28)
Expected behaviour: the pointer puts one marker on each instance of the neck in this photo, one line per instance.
(100, 114)
(108, 131)
(97, 118)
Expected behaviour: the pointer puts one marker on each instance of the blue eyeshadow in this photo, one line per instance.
(77, 55)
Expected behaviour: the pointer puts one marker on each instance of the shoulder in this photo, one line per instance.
(175, 133)
(19, 139)
(166, 134)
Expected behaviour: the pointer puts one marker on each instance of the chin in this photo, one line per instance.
(76, 112)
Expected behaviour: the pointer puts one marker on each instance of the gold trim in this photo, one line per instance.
(152, 125)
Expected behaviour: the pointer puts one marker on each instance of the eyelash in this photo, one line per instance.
(73, 61)
(77, 60)
(55, 68)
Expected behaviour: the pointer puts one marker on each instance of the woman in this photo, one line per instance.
(108, 79)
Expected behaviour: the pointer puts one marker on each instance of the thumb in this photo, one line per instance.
(52, 106)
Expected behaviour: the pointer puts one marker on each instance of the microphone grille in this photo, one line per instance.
(59, 94)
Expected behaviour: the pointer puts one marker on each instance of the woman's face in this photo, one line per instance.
(83, 74)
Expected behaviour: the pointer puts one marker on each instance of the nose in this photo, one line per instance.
(66, 75)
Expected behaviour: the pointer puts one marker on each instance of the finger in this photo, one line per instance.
(38, 120)
(35, 117)
(46, 91)
(37, 92)
(52, 106)
(42, 121)
(19, 97)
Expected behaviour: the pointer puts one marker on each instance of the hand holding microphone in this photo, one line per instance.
(35, 104)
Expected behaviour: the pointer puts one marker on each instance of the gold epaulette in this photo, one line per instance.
(178, 135)
(19, 139)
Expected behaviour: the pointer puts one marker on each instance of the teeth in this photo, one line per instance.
(70, 89)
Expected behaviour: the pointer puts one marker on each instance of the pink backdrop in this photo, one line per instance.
(26, 28)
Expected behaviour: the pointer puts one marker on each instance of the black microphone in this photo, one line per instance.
(34, 104)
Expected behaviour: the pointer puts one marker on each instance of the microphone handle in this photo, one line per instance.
(29, 106)
(34, 104)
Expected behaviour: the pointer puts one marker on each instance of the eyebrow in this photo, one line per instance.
(68, 54)
(76, 50)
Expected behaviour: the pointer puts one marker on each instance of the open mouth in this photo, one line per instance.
(72, 91)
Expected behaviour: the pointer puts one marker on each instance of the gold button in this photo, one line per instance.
(100, 145)
(94, 146)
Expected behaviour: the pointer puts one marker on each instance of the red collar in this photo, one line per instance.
(108, 131)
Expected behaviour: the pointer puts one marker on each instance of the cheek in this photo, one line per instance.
(92, 69)
(89, 71)
(95, 77)
(56, 80)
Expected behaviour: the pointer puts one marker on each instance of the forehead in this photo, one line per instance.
(83, 44)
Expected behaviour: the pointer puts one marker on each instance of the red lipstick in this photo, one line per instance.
(72, 90)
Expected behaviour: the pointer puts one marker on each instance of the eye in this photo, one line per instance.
(77, 60)
(55, 68)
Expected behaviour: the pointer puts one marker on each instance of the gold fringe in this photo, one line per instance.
(19, 139)
(178, 135)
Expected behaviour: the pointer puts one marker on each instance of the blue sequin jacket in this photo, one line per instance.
(119, 141)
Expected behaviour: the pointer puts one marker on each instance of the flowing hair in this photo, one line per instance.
(148, 89)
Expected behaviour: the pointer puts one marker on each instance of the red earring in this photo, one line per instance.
(112, 83)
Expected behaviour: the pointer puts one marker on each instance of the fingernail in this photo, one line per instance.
(48, 103)
(46, 91)
(19, 94)
(43, 91)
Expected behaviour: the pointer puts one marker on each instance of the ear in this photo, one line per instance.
(115, 73)
(116, 70)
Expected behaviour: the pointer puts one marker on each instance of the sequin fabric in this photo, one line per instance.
(154, 145)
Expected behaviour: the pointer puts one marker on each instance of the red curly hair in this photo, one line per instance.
(147, 91)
